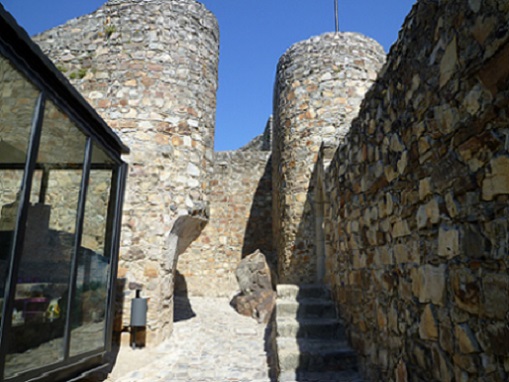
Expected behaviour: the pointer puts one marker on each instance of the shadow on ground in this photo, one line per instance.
(182, 309)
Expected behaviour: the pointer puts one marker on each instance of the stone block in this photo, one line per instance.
(429, 212)
(466, 340)
(467, 363)
(401, 372)
(392, 318)
(428, 329)
(495, 301)
(442, 368)
(496, 181)
(448, 62)
(494, 338)
(401, 253)
(424, 188)
(151, 271)
(253, 273)
(451, 205)
(400, 229)
(466, 289)
(428, 284)
(448, 242)
(446, 338)
(383, 256)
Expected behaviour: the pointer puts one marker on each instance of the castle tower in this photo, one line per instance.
(319, 86)
(149, 67)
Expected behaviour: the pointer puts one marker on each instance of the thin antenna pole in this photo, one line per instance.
(336, 13)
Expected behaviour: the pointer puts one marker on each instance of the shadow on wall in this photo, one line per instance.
(320, 334)
(258, 234)
(182, 306)
(302, 266)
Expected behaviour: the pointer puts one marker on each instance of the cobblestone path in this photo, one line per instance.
(210, 343)
(215, 345)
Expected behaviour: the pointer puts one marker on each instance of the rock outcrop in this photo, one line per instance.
(257, 296)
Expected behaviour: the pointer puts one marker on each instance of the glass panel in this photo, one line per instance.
(17, 102)
(89, 305)
(42, 287)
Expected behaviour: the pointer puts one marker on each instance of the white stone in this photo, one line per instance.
(448, 242)
(95, 95)
(193, 170)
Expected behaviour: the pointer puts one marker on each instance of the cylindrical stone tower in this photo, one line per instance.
(150, 67)
(319, 86)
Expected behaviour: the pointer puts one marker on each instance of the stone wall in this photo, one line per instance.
(319, 86)
(420, 198)
(240, 223)
(150, 69)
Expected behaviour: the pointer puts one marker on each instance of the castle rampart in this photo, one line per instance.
(150, 69)
(319, 86)
(240, 223)
(419, 202)
(407, 198)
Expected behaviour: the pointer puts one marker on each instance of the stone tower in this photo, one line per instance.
(150, 69)
(319, 87)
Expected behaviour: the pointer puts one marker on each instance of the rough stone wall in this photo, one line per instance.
(240, 223)
(319, 86)
(150, 69)
(420, 199)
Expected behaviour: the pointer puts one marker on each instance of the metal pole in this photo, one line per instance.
(336, 13)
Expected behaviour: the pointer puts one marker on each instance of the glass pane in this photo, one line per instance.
(36, 338)
(89, 305)
(17, 102)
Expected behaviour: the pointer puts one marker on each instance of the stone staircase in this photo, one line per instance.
(310, 341)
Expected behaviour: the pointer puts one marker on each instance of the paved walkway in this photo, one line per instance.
(215, 345)
(210, 343)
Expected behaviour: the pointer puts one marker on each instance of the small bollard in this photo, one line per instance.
(138, 316)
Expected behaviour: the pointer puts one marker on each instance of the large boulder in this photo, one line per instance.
(253, 273)
(257, 297)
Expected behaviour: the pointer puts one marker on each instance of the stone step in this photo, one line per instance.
(309, 327)
(311, 344)
(331, 376)
(315, 355)
(306, 308)
(299, 292)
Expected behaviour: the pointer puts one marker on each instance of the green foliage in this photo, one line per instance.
(81, 73)
(109, 30)
(62, 68)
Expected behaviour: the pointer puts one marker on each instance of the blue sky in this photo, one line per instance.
(254, 34)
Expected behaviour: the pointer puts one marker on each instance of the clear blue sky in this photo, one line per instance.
(254, 34)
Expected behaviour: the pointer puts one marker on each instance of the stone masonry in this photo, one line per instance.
(399, 178)
(240, 221)
(320, 84)
(419, 202)
(150, 69)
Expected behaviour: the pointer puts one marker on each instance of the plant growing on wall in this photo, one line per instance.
(81, 73)
(109, 30)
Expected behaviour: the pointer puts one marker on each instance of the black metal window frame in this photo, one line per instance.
(17, 47)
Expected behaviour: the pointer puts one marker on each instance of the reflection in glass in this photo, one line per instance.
(36, 338)
(89, 305)
(17, 102)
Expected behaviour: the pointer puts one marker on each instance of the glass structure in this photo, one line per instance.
(61, 190)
